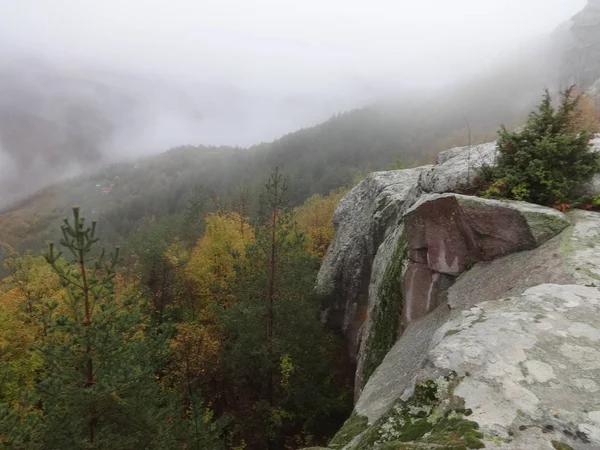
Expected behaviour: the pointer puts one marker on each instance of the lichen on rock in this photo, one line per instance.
(503, 293)
(457, 168)
(560, 445)
(430, 416)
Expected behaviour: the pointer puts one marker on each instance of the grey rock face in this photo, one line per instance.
(444, 235)
(526, 363)
(533, 361)
(456, 169)
(406, 257)
(527, 352)
(592, 187)
(383, 260)
(362, 221)
(449, 233)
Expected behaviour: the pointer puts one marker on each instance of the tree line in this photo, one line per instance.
(198, 337)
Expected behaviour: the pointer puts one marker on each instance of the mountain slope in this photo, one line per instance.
(316, 160)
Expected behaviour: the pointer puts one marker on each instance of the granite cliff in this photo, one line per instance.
(473, 322)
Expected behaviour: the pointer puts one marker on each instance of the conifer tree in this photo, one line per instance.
(547, 160)
(278, 355)
(102, 364)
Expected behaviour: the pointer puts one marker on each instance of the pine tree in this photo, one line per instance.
(278, 355)
(547, 160)
(102, 362)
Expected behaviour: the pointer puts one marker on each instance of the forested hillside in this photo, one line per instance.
(316, 160)
(203, 331)
(183, 267)
(167, 345)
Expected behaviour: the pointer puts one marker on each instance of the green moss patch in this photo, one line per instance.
(451, 333)
(544, 226)
(386, 313)
(355, 425)
(431, 418)
(560, 446)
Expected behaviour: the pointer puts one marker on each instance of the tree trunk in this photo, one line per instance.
(89, 371)
(270, 311)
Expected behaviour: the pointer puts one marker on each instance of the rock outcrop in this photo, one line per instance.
(472, 321)
(362, 221)
(448, 233)
(456, 169)
(522, 337)
(387, 266)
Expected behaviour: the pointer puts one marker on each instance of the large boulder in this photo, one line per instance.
(448, 233)
(362, 221)
(511, 359)
(456, 169)
(442, 236)
(402, 240)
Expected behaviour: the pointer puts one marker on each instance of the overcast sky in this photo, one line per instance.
(238, 72)
(281, 45)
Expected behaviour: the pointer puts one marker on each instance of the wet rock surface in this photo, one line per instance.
(363, 220)
(499, 296)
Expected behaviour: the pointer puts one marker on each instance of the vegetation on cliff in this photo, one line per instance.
(548, 159)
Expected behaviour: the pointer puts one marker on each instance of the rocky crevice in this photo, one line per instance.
(364, 220)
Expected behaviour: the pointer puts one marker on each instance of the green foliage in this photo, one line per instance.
(386, 314)
(128, 357)
(431, 418)
(27, 303)
(561, 446)
(277, 356)
(547, 160)
(398, 164)
(102, 364)
(150, 265)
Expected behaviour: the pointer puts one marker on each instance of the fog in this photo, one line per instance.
(280, 46)
(145, 75)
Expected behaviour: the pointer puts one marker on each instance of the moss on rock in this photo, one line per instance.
(355, 425)
(431, 418)
(560, 446)
(544, 225)
(386, 313)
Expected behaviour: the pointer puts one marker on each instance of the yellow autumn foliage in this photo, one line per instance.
(587, 115)
(315, 219)
(24, 313)
(211, 264)
(195, 351)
